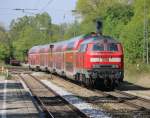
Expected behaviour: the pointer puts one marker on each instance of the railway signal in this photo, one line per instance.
(99, 26)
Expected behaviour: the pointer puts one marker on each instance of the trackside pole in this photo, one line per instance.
(51, 46)
(7, 73)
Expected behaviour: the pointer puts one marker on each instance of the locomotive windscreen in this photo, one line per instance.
(98, 47)
(101, 47)
(112, 47)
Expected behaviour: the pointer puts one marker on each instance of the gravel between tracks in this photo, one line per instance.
(85, 93)
(54, 104)
(88, 94)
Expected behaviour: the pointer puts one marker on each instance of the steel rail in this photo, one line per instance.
(127, 94)
(48, 113)
(118, 99)
(126, 101)
(74, 108)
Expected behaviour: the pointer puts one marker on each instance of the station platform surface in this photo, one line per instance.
(15, 101)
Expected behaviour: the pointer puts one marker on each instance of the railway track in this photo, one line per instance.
(141, 106)
(118, 96)
(19, 70)
(131, 100)
(51, 103)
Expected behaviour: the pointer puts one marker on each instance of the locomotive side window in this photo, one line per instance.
(70, 46)
(112, 47)
(98, 47)
(82, 48)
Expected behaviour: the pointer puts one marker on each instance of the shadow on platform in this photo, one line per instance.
(14, 92)
(11, 86)
(23, 115)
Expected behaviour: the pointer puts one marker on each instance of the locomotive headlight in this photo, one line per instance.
(94, 59)
(115, 59)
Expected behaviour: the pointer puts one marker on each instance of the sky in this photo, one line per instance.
(59, 10)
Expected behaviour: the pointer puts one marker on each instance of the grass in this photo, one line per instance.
(138, 74)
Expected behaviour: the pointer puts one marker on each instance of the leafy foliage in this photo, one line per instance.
(29, 31)
(4, 49)
(122, 19)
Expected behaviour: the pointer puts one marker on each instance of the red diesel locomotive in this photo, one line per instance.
(91, 59)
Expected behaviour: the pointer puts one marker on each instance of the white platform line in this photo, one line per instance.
(3, 112)
(82, 105)
(32, 98)
(25, 87)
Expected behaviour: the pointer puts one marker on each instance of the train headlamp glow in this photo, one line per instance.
(114, 59)
(94, 59)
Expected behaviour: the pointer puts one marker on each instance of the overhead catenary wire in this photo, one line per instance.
(5, 8)
(48, 3)
(26, 10)
(34, 9)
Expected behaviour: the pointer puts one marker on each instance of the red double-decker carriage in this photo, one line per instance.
(91, 59)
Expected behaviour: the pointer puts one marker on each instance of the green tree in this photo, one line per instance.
(132, 34)
(4, 49)
(122, 19)
(28, 31)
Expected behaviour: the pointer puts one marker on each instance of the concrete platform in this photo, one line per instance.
(15, 101)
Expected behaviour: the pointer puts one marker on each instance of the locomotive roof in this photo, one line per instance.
(72, 43)
(44, 48)
(34, 49)
(68, 44)
(100, 39)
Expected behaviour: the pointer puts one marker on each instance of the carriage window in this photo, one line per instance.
(82, 48)
(98, 47)
(112, 47)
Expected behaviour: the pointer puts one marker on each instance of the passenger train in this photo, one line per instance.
(91, 59)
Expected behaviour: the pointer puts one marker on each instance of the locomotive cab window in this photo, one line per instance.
(98, 47)
(70, 46)
(82, 48)
(112, 47)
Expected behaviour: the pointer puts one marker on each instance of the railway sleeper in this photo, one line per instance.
(130, 114)
(140, 108)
